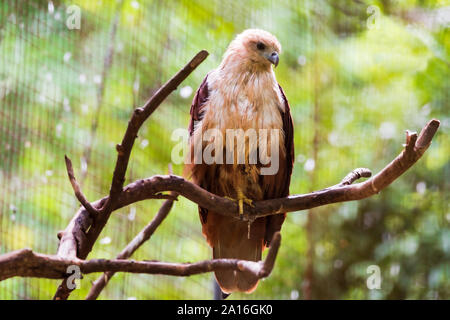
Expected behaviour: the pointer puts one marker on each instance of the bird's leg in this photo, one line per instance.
(241, 199)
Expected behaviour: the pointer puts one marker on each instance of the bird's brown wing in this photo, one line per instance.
(197, 113)
(201, 96)
(282, 179)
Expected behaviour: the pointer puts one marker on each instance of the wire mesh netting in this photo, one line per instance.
(353, 89)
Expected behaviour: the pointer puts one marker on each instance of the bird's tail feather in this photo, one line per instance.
(233, 243)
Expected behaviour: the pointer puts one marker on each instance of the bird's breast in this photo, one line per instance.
(246, 112)
(247, 101)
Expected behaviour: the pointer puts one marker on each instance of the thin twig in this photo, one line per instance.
(77, 189)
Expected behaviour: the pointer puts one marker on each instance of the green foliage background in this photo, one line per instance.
(355, 81)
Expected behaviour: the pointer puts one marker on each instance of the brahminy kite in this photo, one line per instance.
(241, 101)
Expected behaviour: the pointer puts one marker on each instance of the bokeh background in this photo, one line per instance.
(357, 73)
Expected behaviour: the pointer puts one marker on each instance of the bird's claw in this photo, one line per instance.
(241, 199)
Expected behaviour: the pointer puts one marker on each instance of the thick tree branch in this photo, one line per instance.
(26, 263)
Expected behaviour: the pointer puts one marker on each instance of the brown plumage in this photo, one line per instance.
(242, 93)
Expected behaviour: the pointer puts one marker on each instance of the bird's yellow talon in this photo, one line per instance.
(241, 199)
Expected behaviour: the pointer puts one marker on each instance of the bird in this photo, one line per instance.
(242, 95)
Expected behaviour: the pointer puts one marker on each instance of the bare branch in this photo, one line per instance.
(26, 263)
(77, 189)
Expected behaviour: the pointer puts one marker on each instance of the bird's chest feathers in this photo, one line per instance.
(252, 104)
(246, 102)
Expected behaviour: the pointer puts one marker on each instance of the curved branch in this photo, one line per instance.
(26, 263)
(77, 189)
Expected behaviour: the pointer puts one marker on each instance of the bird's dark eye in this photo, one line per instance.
(260, 46)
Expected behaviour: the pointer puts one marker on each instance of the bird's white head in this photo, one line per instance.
(253, 49)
